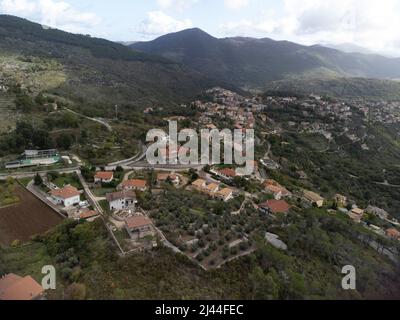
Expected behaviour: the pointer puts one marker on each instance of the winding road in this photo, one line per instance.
(98, 120)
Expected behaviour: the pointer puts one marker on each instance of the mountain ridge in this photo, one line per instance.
(100, 70)
(252, 62)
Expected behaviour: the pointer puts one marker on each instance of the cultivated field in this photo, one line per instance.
(26, 219)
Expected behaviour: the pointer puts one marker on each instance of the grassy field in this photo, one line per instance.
(67, 179)
(8, 196)
(7, 110)
(37, 73)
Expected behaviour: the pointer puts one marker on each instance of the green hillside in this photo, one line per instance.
(252, 63)
(338, 87)
(100, 71)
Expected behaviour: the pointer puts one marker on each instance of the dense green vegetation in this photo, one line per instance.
(98, 71)
(7, 193)
(339, 166)
(100, 48)
(340, 88)
(319, 245)
(250, 63)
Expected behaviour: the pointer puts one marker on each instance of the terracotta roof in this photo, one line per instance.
(88, 214)
(358, 211)
(199, 183)
(225, 192)
(120, 195)
(212, 187)
(137, 222)
(104, 175)
(276, 206)
(66, 192)
(276, 189)
(162, 176)
(13, 287)
(393, 233)
(270, 182)
(228, 172)
(312, 196)
(134, 183)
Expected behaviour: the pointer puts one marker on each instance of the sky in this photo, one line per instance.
(372, 24)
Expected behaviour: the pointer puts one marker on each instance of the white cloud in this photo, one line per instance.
(23, 7)
(158, 23)
(56, 14)
(373, 24)
(179, 5)
(236, 4)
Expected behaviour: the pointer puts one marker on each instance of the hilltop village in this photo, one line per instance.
(211, 214)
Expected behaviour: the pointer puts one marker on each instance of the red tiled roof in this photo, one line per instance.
(276, 206)
(199, 183)
(120, 195)
(276, 189)
(134, 183)
(393, 233)
(13, 287)
(66, 192)
(88, 214)
(162, 176)
(137, 222)
(104, 175)
(225, 192)
(228, 172)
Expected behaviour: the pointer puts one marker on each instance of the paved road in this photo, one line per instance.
(164, 167)
(28, 174)
(138, 157)
(98, 120)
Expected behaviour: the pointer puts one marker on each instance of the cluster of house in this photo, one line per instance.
(229, 105)
(124, 199)
(16, 288)
(213, 190)
(382, 111)
(138, 226)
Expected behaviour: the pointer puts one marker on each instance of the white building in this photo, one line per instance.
(121, 200)
(67, 196)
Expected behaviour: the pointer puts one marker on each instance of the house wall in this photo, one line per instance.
(96, 180)
(122, 204)
(140, 233)
(72, 201)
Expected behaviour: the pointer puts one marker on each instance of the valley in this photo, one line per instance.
(324, 192)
